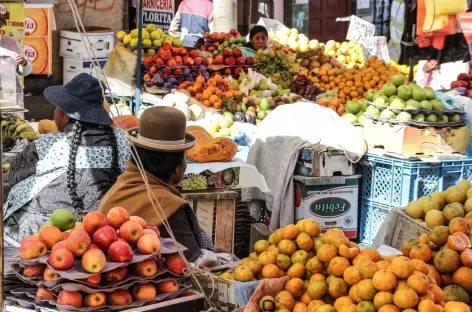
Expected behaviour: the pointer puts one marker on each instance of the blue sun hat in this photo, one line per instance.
(80, 99)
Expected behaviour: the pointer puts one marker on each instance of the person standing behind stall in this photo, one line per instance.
(23, 66)
(192, 19)
(258, 37)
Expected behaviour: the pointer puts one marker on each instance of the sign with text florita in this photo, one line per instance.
(332, 201)
(158, 12)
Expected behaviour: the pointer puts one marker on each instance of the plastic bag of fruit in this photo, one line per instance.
(267, 289)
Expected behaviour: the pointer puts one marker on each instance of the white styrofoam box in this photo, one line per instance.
(332, 201)
(319, 161)
(73, 67)
(73, 46)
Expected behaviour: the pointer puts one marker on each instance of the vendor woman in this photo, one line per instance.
(72, 169)
(258, 37)
(160, 142)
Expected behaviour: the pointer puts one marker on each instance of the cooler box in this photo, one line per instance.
(332, 201)
(73, 46)
(321, 161)
(74, 67)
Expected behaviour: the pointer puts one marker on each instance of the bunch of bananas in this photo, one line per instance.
(13, 128)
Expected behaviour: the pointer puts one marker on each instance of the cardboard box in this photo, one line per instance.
(258, 231)
(101, 41)
(74, 67)
(409, 140)
(332, 201)
(321, 161)
(39, 23)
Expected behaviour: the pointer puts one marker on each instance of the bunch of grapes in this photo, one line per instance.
(276, 65)
(194, 182)
(304, 87)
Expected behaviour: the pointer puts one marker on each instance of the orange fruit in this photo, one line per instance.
(365, 290)
(326, 253)
(383, 298)
(463, 278)
(338, 288)
(337, 265)
(456, 307)
(352, 275)
(384, 280)
(447, 260)
(372, 254)
(421, 252)
(459, 241)
(438, 293)
(405, 298)
(425, 305)
(388, 308)
(459, 225)
(402, 267)
(419, 282)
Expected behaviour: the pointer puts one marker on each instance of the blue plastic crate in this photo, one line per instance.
(455, 170)
(396, 182)
(372, 216)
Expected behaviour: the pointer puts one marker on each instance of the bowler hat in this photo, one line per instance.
(162, 128)
(80, 99)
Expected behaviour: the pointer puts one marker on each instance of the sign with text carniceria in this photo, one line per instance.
(158, 12)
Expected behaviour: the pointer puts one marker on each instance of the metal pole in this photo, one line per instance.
(2, 293)
(139, 22)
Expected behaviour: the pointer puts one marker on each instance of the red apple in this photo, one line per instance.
(183, 52)
(175, 264)
(93, 246)
(94, 279)
(227, 52)
(204, 61)
(240, 60)
(218, 60)
(78, 242)
(119, 298)
(146, 268)
(155, 229)
(226, 71)
(94, 300)
(94, 260)
(171, 63)
(120, 251)
(167, 287)
(237, 71)
(149, 244)
(32, 249)
(50, 275)
(93, 221)
(104, 236)
(211, 49)
(167, 46)
(117, 216)
(177, 72)
(45, 294)
(166, 72)
(237, 53)
(193, 54)
(144, 292)
(116, 275)
(230, 61)
(152, 70)
(175, 51)
(131, 231)
(197, 61)
(60, 245)
(250, 60)
(61, 259)
(50, 235)
(70, 298)
(160, 62)
(233, 31)
(34, 237)
(34, 270)
(178, 60)
(187, 61)
(149, 231)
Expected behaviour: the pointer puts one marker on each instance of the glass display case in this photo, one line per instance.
(297, 15)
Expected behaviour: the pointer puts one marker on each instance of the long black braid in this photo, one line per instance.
(71, 183)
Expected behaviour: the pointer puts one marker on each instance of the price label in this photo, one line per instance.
(375, 46)
(359, 29)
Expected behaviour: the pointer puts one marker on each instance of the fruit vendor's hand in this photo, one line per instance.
(20, 60)
(430, 66)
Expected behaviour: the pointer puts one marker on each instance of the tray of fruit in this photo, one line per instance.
(404, 119)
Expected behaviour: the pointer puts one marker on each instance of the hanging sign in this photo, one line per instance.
(359, 28)
(158, 12)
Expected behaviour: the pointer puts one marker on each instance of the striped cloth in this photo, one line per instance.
(11, 44)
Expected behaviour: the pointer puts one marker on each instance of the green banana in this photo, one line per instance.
(21, 128)
(29, 135)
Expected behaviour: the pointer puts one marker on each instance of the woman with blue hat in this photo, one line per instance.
(73, 169)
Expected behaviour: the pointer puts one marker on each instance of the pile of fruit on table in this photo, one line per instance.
(106, 262)
(328, 272)
(464, 84)
(215, 43)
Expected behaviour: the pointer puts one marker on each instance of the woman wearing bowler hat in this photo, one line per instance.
(73, 169)
(160, 142)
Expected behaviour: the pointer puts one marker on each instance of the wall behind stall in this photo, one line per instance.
(104, 13)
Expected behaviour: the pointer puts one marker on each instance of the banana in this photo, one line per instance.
(16, 116)
(5, 123)
(21, 128)
(29, 135)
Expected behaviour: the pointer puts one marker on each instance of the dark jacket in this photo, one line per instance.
(92, 184)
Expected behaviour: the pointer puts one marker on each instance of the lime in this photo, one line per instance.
(63, 219)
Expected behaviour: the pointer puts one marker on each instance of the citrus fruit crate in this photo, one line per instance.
(372, 216)
(455, 170)
(396, 182)
(399, 228)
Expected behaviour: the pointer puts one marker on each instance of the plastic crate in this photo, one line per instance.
(401, 227)
(455, 170)
(396, 182)
(372, 216)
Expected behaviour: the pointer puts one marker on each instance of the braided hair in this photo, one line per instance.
(79, 129)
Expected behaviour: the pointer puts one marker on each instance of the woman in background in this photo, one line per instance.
(258, 37)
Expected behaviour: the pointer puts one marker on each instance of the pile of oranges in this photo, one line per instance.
(329, 273)
(353, 83)
(334, 103)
